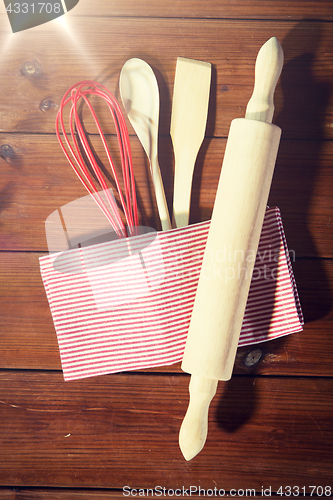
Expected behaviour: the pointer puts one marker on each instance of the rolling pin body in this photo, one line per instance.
(231, 248)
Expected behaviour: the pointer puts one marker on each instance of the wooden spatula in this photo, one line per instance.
(188, 125)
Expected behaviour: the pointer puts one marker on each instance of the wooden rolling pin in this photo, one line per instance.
(234, 234)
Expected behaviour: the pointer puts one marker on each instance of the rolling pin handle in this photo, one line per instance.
(193, 432)
(268, 68)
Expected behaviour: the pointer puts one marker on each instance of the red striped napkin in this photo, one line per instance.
(126, 304)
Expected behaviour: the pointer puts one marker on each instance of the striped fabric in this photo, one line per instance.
(126, 304)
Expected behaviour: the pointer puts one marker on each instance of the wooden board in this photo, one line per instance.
(234, 9)
(276, 9)
(37, 179)
(94, 494)
(122, 430)
(34, 79)
(271, 424)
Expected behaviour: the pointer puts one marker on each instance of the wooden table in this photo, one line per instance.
(270, 427)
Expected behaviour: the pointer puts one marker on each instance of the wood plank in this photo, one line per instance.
(28, 339)
(94, 494)
(102, 494)
(302, 188)
(27, 332)
(224, 9)
(122, 430)
(234, 9)
(33, 77)
(37, 179)
(269, 427)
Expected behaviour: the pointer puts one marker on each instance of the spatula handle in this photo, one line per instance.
(184, 166)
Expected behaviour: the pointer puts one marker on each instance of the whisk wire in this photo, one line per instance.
(80, 142)
(85, 144)
(86, 180)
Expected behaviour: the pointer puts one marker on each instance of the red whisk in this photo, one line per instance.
(75, 95)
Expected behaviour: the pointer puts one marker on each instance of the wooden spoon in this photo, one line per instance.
(140, 96)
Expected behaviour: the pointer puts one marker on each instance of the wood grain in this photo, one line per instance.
(93, 494)
(69, 494)
(271, 424)
(34, 78)
(37, 179)
(111, 431)
(238, 9)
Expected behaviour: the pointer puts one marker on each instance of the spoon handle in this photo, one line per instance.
(161, 201)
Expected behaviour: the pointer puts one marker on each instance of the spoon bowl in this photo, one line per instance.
(140, 96)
